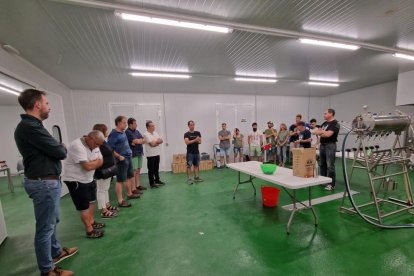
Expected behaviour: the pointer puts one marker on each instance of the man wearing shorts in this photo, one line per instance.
(255, 141)
(192, 139)
(79, 167)
(118, 141)
(135, 140)
(224, 136)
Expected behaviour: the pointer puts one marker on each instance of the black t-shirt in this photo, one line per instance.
(192, 148)
(306, 134)
(333, 126)
(294, 137)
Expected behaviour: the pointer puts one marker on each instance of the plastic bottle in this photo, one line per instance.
(316, 170)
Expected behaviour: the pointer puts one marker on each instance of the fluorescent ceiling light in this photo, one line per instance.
(160, 75)
(9, 90)
(403, 56)
(329, 44)
(323, 83)
(159, 69)
(255, 79)
(170, 22)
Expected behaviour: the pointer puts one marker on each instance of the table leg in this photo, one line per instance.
(242, 182)
(9, 179)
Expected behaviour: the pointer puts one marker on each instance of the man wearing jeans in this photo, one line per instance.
(41, 157)
(192, 139)
(328, 134)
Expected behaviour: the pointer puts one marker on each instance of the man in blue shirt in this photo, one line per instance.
(135, 140)
(118, 141)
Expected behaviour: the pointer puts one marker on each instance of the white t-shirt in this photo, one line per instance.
(255, 137)
(148, 138)
(78, 153)
(314, 137)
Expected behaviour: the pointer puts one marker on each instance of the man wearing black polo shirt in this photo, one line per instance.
(328, 133)
(192, 139)
(41, 158)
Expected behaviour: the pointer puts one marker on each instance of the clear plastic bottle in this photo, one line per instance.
(316, 169)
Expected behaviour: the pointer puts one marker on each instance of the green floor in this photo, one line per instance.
(201, 230)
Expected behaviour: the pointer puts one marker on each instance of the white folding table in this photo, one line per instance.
(284, 178)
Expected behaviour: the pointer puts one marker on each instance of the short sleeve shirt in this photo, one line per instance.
(78, 153)
(224, 144)
(149, 150)
(137, 150)
(118, 141)
(333, 126)
(306, 134)
(255, 137)
(192, 148)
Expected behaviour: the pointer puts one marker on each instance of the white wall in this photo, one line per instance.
(91, 107)
(405, 88)
(59, 100)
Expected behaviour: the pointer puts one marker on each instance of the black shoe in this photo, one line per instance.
(154, 186)
(160, 182)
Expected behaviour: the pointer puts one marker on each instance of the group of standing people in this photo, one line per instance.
(277, 143)
(92, 160)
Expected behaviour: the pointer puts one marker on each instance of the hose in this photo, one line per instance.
(351, 199)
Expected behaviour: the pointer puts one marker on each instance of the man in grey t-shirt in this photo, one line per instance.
(224, 136)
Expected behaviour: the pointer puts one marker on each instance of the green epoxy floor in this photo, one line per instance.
(200, 230)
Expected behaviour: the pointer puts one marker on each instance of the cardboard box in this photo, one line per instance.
(303, 161)
(183, 158)
(176, 158)
(175, 168)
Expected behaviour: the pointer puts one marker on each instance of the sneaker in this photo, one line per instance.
(160, 182)
(198, 179)
(65, 253)
(329, 187)
(57, 271)
(189, 181)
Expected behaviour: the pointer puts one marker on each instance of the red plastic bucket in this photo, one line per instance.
(270, 196)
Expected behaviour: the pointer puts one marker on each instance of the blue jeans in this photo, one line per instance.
(46, 199)
(327, 160)
(282, 153)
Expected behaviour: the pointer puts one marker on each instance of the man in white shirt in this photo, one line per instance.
(255, 141)
(79, 167)
(153, 151)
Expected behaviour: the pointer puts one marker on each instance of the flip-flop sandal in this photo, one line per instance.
(112, 208)
(124, 204)
(108, 214)
(98, 225)
(94, 234)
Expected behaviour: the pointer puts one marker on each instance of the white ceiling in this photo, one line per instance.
(87, 47)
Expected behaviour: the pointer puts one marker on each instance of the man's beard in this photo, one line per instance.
(44, 115)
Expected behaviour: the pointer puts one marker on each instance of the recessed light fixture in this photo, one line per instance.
(255, 79)
(329, 44)
(160, 75)
(170, 22)
(404, 56)
(323, 83)
(9, 90)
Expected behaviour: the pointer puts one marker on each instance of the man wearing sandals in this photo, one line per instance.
(118, 141)
(41, 156)
(84, 157)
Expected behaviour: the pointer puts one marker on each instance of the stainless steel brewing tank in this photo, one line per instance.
(372, 122)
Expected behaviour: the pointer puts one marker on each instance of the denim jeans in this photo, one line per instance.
(46, 199)
(282, 153)
(327, 160)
